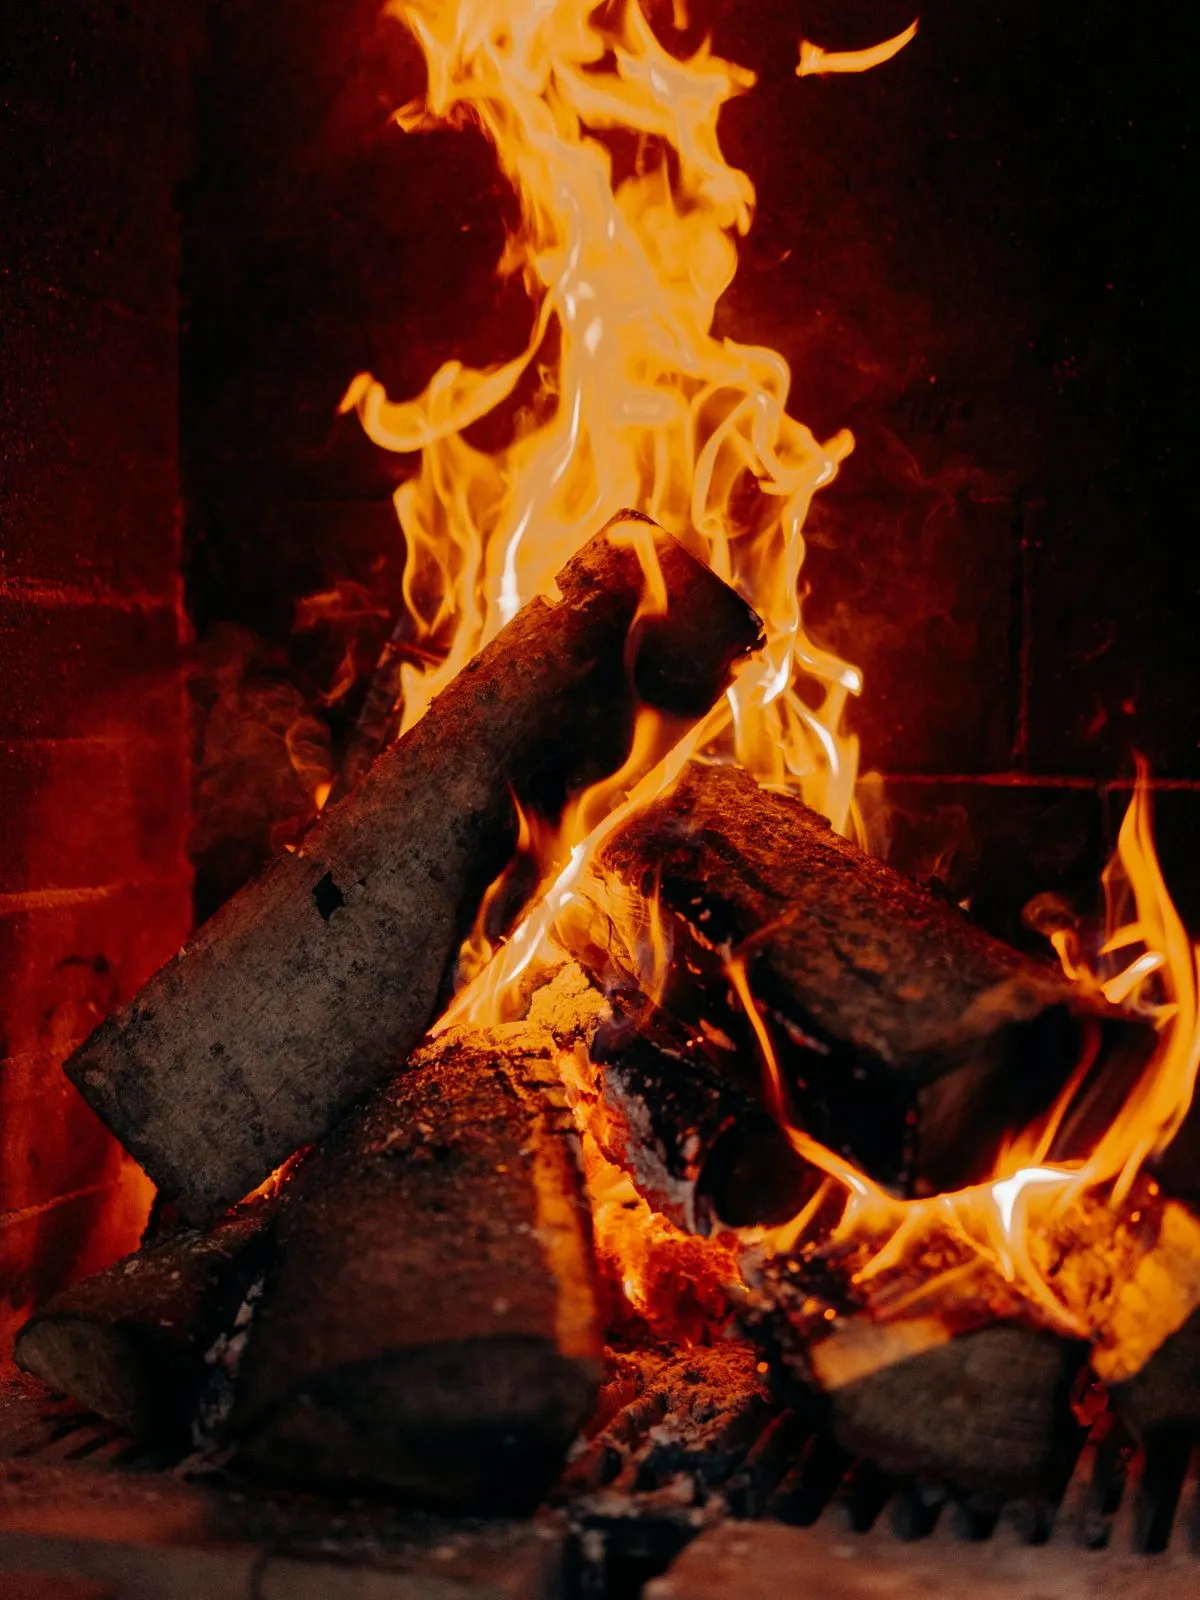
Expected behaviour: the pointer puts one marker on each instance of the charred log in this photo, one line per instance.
(431, 1325)
(130, 1343)
(278, 1016)
(911, 1041)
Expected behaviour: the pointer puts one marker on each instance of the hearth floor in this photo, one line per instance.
(87, 1515)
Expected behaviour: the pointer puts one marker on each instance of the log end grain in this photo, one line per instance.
(129, 1343)
(431, 1327)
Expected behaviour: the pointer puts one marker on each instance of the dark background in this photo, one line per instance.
(974, 257)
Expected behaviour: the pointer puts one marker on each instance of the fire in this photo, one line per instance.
(622, 396)
(634, 402)
(1003, 1226)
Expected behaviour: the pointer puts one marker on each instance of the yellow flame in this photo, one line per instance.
(814, 60)
(634, 402)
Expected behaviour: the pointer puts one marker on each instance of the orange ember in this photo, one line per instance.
(624, 397)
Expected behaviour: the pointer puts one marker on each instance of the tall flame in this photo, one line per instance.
(622, 395)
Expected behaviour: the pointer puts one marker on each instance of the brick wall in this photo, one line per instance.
(94, 879)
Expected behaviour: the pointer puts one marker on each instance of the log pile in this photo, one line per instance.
(419, 1309)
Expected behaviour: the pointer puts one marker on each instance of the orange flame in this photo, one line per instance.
(636, 403)
(992, 1223)
(814, 60)
(623, 396)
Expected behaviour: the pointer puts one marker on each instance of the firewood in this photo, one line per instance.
(911, 1041)
(431, 1325)
(130, 1343)
(699, 1146)
(987, 1411)
(279, 1014)
(1149, 1350)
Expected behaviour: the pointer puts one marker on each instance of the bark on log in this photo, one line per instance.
(1163, 1398)
(277, 1017)
(130, 1343)
(911, 1040)
(431, 1326)
(987, 1411)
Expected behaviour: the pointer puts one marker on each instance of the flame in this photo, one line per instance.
(814, 60)
(622, 395)
(1002, 1225)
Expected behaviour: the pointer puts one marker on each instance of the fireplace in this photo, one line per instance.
(647, 1258)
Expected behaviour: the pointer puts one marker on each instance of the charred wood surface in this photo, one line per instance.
(699, 1145)
(431, 1326)
(130, 1343)
(911, 1040)
(278, 1016)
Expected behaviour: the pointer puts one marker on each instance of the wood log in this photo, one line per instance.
(1163, 1396)
(431, 1326)
(987, 1411)
(911, 1041)
(279, 1014)
(130, 1343)
(699, 1146)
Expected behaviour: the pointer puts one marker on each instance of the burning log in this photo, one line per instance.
(700, 1147)
(130, 1343)
(432, 1323)
(911, 1041)
(277, 1017)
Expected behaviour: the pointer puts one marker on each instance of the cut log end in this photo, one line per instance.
(432, 1325)
(130, 1343)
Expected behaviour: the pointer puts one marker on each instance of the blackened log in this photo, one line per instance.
(700, 1147)
(1163, 1397)
(431, 1325)
(278, 1016)
(911, 1040)
(130, 1343)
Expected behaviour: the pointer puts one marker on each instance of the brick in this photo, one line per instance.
(89, 669)
(1113, 655)
(70, 958)
(82, 384)
(66, 965)
(911, 579)
(97, 1220)
(83, 812)
(111, 525)
(264, 551)
(94, 117)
